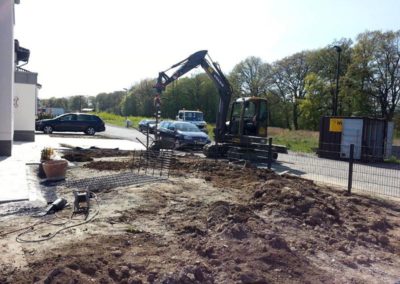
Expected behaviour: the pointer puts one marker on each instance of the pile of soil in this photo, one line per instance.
(108, 165)
(217, 222)
(85, 155)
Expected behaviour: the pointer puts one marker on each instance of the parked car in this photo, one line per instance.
(193, 116)
(72, 122)
(147, 123)
(180, 134)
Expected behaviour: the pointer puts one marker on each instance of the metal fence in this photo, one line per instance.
(354, 168)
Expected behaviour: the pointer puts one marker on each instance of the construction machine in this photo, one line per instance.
(244, 134)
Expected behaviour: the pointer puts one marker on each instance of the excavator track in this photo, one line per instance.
(250, 154)
(231, 152)
(215, 151)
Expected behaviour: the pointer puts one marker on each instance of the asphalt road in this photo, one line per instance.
(124, 133)
(375, 178)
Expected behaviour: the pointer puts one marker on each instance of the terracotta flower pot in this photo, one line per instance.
(55, 169)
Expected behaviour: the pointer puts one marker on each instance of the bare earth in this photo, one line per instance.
(211, 222)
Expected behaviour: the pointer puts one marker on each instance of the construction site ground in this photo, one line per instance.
(209, 222)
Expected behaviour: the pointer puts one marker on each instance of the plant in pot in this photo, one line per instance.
(53, 169)
(46, 154)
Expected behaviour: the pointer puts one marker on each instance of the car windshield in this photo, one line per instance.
(187, 127)
(194, 116)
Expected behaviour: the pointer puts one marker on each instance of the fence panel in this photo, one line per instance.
(371, 172)
(373, 175)
(310, 166)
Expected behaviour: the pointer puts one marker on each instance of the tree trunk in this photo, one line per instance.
(295, 116)
(286, 109)
(288, 126)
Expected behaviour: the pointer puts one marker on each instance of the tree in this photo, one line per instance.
(376, 65)
(129, 105)
(314, 105)
(323, 63)
(197, 92)
(55, 102)
(288, 76)
(144, 93)
(250, 77)
(278, 95)
(109, 102)
(77, 103)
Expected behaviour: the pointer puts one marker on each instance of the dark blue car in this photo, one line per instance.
(147, 124)
(179, 135)
(72, 122)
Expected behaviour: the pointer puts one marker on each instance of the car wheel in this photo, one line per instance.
(90, 131)
(47, 129)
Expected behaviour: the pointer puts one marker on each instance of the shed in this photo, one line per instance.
(372, 138)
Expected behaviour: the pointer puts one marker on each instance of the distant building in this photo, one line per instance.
(85, 110)
(51, 111)
(26, 90)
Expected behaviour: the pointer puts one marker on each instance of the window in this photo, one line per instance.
(82, 117)
(69, 117)
(237, 107)
(187, 127)
(164, 124)
(250, 110)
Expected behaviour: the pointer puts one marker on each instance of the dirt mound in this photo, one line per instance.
(301, 199)
(77, 157)
(217, 222)
(108, 165)
(221, 173)
(190, 275)
(84, 155)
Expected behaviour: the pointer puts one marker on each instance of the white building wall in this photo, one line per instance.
(24, 107)
(6, 75)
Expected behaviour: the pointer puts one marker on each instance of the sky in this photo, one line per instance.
(85, 47)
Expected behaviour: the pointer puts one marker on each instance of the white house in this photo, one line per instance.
(24, 102)
(18, 89)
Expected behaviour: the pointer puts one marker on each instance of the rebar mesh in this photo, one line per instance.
(100, 183)
(145, 167)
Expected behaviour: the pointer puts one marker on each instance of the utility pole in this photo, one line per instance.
(336, 97)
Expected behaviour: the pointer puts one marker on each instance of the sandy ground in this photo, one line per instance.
(210, 222)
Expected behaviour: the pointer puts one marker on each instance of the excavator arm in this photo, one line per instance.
(214, 72)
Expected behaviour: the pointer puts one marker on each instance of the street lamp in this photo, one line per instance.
(335, 99)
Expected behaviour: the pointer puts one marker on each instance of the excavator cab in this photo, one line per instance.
(249, 117)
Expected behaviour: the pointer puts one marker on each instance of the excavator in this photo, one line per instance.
(244, 134)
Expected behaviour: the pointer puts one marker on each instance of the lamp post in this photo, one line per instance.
(335, 99)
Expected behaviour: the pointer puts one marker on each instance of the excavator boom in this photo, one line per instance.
(214, 72)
